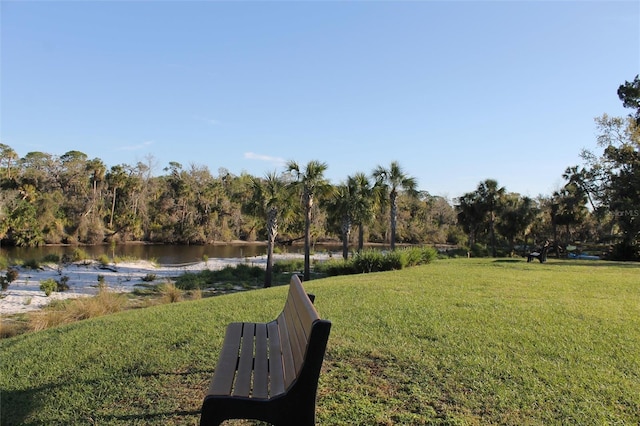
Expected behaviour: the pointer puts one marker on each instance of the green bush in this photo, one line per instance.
(289, 265)
(334, 267)
(244, 271)
(79, 255)
(51, 258)
(194, 281)
(394, 260)
(369, 260)
(48, 286)
(31, 264)
(203, 279)
(372, 260)
(104, 260)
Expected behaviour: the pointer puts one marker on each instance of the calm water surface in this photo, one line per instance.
(162, 254)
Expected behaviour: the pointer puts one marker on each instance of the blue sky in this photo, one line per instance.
(456, 92)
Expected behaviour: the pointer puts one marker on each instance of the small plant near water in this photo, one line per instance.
(31, 264)
(289, 265)
(79, 255)
(48, 286)
(149, 278)
(51, 258)
(10, 276)
(170, 293)
(103, 259)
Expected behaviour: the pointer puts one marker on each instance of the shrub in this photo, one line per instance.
(192, 281)
(12, 275)
(290, 265)
(393, 260)
(335, 267)
(51, 258)
(170, 293)
(69, 311)
(31, 264)
(62, 283)
(48, 286)
(149, 278)
(79, 255)
(104, 259)
(244, 272)
(369, 260)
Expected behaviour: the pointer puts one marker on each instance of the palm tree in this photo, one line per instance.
(340, 211)
(364, 203)
(270, 200)
(491, 197)
(390, 181)
(310, 183)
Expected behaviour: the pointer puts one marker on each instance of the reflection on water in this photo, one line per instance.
(162, 254)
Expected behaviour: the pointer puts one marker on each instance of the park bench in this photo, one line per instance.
(540, 255)
(269, 371)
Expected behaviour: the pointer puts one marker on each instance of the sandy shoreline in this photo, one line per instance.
(24, 294)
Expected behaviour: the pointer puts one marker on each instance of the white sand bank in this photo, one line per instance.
(24, 294)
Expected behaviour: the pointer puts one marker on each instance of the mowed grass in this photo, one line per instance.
(462, 341)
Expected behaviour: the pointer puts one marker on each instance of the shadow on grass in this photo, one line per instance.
(19, 405)
(596, 263)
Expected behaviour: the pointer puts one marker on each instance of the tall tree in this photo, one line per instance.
(390, 181)
(516, 217)
(271, 200)
(364, 203)
(7, 156)
(310, 182)
(491, 196)
(629, 94)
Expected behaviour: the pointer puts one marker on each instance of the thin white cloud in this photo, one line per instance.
(143, 145)
(261, 157)
(211, 121)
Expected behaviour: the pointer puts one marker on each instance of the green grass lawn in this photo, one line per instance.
(462, 341)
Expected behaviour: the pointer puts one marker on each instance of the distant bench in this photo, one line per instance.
(540, 255)
(269, 371)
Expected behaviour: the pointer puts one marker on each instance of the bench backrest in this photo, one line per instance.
(296, 325)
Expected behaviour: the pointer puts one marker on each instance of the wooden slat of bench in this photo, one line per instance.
(242, 386)
(297, 344)
(222, 381)
(303, 305)
(276, 372)
(288, 364)
(261, 367)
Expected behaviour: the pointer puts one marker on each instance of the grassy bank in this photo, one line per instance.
(464, 341)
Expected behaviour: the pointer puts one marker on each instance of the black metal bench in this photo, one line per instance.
(540, 255)
(269, 371)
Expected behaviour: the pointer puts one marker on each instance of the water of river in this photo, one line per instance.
(160, 253)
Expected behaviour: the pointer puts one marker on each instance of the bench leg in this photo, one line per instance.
(278, 413)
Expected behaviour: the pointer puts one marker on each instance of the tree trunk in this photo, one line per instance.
(272, 230)
(394, 219)
(307, 237)
(346, 231)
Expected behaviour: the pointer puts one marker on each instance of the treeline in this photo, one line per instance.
(70, 198)
(50, 199)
